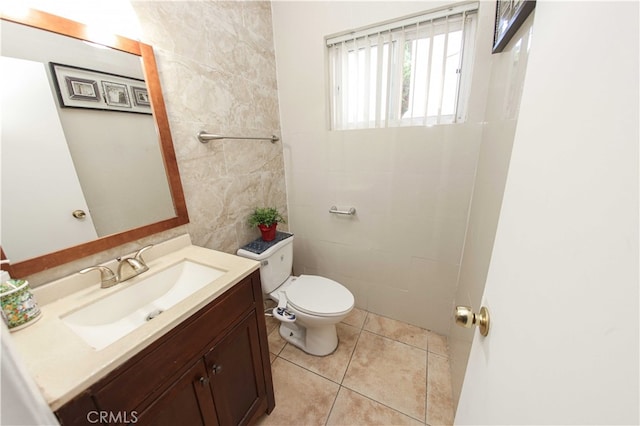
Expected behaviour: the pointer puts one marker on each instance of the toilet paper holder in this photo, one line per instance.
(350, 212)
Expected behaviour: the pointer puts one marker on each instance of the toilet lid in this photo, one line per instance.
(320, 296)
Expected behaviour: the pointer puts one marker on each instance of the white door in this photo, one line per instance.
(563, 286)
(40, 188)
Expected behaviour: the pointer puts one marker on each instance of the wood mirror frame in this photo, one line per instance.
(66, 27)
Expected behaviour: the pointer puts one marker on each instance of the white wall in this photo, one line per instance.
(562, 286)
(506, 80)
(411, 186)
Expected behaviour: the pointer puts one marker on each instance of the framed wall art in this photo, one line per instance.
(510, 14)
(116, 94)
(84, 88)
(140, 96)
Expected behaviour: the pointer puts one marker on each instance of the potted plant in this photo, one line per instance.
(266, 219)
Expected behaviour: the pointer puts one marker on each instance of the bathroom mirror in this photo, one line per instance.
(103, 133)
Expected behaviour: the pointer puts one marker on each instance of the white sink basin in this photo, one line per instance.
(110, 318)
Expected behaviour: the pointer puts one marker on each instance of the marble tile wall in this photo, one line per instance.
(217, 69)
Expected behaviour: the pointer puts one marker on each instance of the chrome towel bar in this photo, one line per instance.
(349, 212)
(205, 137)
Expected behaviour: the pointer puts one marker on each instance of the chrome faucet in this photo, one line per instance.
(128, 268)
(107, 277)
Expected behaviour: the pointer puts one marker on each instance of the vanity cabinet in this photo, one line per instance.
(237, 379)
(212, 369)
(188, 401)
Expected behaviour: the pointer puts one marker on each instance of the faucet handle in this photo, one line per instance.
(107, 276)
(138, 255)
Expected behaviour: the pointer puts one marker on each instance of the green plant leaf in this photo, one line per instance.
(265, 216)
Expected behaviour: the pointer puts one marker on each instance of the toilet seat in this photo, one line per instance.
(315, 295)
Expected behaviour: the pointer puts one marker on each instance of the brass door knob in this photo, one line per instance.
(465, 317)
(79, 214)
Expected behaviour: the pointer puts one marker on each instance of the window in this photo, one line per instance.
(414, 71)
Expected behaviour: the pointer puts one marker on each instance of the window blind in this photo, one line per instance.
(406, 72)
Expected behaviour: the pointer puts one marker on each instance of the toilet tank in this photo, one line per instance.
(275, 263)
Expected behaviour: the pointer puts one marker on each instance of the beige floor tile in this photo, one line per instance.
(276, 342)
(390, 372)
(272, 357)
(332, 366)
(302, 397)
(356, 318)
(397, 330)
(272, 324)
(438, 344)
(439, 399)
(351, 408)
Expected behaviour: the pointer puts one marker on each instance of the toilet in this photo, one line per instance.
(309, 306)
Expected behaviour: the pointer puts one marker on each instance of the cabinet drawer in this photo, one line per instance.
(149, 372)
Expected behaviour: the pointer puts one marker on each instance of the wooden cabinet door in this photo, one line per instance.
(187, 402)
(237, 378)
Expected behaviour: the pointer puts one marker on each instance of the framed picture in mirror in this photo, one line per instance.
(78, 87)
(140, 96)
(83, 89)
(115, 94)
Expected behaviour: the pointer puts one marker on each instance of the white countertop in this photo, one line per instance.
(63, 365)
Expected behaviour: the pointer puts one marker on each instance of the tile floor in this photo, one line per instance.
(384, 372)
